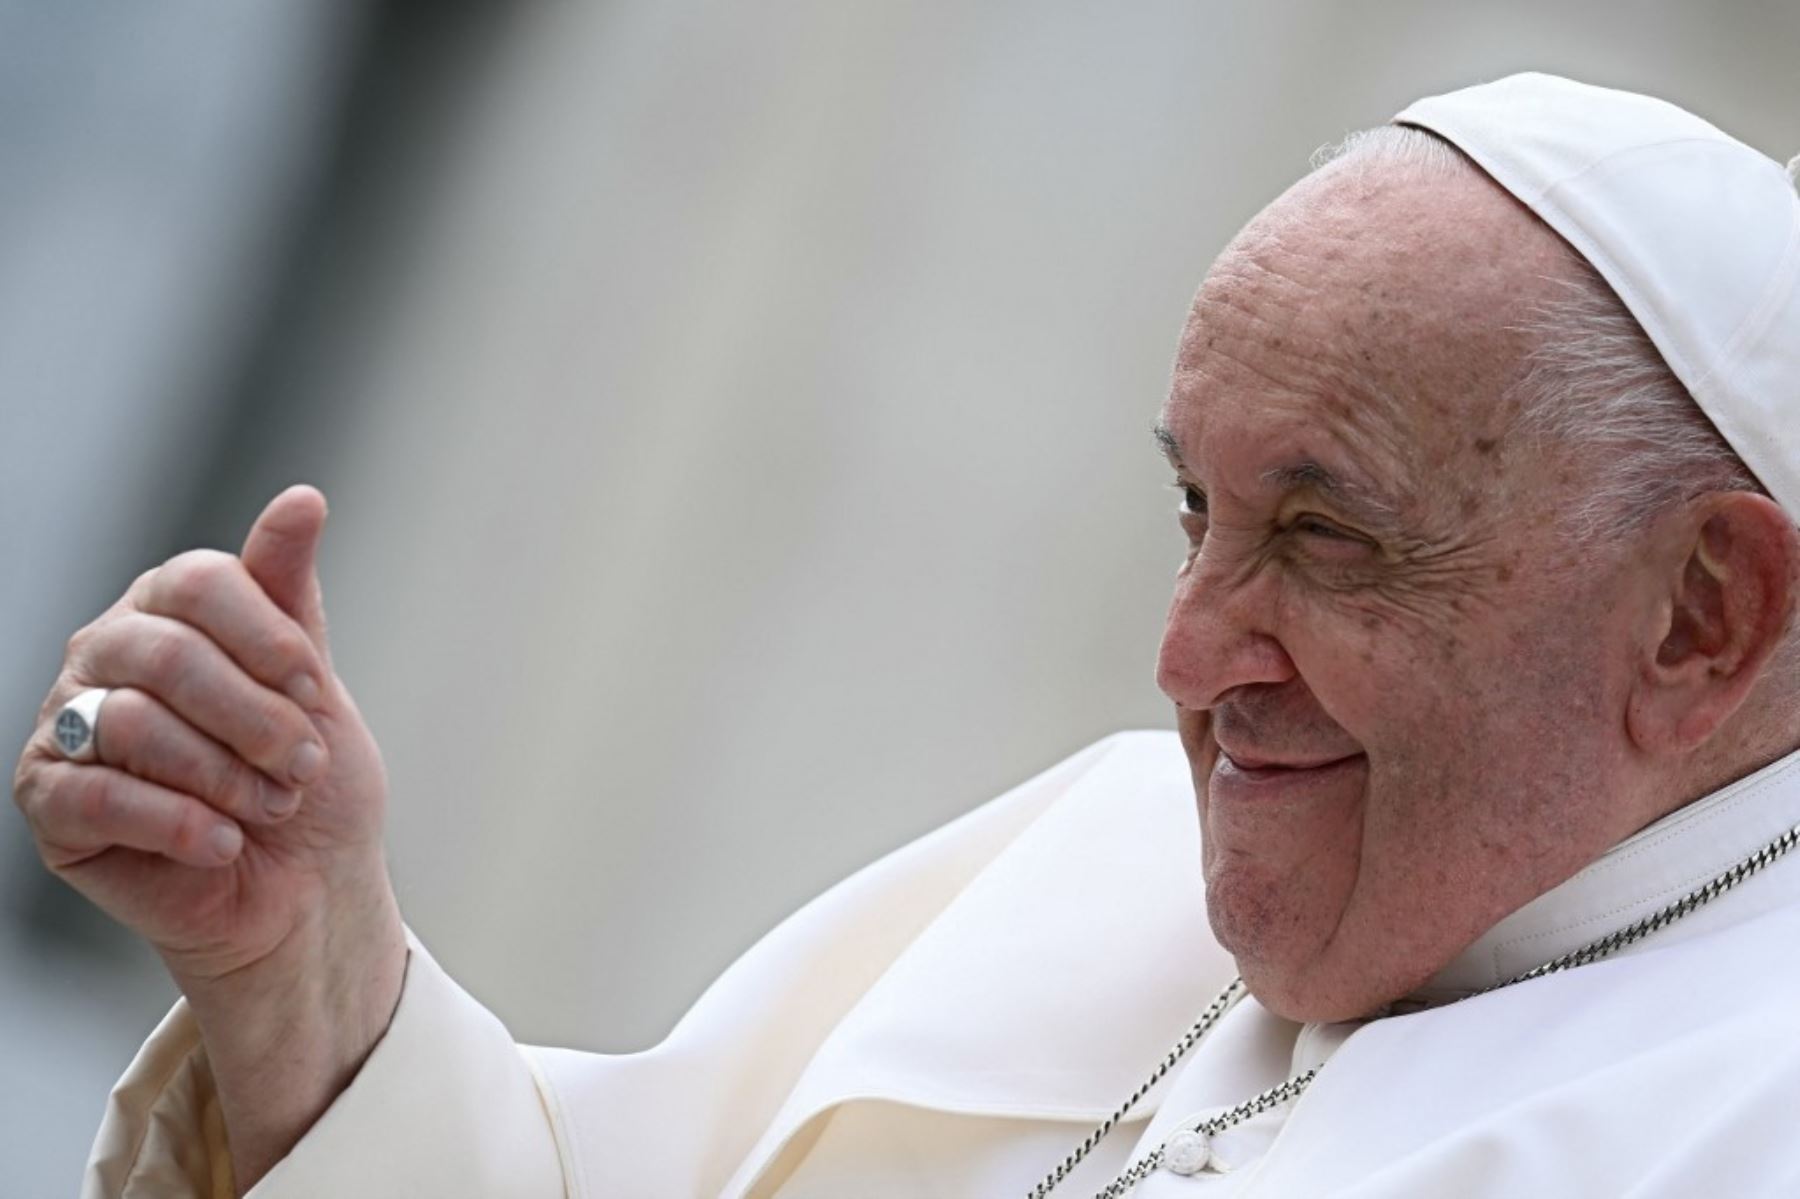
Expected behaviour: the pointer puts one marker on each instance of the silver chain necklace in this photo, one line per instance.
(1187, 1150)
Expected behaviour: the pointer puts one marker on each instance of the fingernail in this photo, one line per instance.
(307, 763)
(304, 691)
(278, 804)
(226, 841)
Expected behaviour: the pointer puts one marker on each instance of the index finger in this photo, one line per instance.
(212, 591)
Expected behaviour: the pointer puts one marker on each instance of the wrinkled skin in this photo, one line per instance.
(1427, 623)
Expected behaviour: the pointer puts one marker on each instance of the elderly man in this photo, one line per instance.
(1485, 669)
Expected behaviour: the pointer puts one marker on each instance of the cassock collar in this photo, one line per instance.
(1654, 866)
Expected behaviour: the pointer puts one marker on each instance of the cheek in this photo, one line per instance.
(1392, 663)
(1432, 705)
(1486, 732)
(1366, 671)
(1473, 733)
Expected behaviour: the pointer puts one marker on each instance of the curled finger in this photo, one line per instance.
(78, 811)
(214, 592)
(143, 737)
(198, 681)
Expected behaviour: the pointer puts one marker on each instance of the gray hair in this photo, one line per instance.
(1593, 380)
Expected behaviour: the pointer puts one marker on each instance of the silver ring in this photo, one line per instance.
(78, 726)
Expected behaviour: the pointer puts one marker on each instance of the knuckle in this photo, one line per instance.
(140, 590)
(29, 791)
(187, 825)
(168, 654)
(186, 580)
(266, 732)
(232, 784)
(91, 800)
(289, 651)
(80, 642)
(127, 725)
(66, 685)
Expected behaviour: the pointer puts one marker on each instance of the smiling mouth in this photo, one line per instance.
(1250, 769)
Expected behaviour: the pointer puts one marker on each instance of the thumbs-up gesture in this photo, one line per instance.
(231, 814)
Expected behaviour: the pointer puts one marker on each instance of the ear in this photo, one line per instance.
(1727, 608)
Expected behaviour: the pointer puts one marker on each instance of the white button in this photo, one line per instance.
(1186, 1153)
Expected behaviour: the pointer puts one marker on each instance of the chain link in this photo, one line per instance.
(1229, 996)
(1277, 1095)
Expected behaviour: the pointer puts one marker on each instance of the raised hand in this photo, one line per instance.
(233, 817)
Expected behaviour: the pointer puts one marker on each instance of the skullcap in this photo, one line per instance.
(1697, 233)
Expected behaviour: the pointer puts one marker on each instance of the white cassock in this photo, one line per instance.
(952, 1020)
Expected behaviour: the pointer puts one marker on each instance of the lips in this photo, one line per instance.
(1253, 763)
(1249, 777)
(1259, 752)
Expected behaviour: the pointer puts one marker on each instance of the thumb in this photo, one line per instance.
(282, 553)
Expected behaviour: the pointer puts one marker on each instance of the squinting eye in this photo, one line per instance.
(1314, 527)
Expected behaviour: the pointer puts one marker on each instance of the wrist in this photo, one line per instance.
(285, 1035)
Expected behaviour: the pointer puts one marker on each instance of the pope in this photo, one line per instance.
(1467, 873)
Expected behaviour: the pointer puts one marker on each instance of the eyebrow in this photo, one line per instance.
(1165, 441)
(1306, 474)
(1310, 475)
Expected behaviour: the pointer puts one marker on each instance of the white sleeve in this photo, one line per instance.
(446, 1106)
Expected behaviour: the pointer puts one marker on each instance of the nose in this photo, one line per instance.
(1220, 635)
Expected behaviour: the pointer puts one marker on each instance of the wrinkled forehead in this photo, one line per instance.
(1377, 307)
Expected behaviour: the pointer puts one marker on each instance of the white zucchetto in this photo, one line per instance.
(1698, 234)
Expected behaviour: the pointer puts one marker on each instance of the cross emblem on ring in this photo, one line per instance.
(72, 731)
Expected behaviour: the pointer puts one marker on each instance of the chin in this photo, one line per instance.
(1298, 978)
(1311, 994)
(1287, 972)
(1303, 1003)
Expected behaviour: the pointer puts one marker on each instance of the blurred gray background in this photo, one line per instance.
(735, 417)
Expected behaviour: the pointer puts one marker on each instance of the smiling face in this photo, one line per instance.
(1399, 684)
